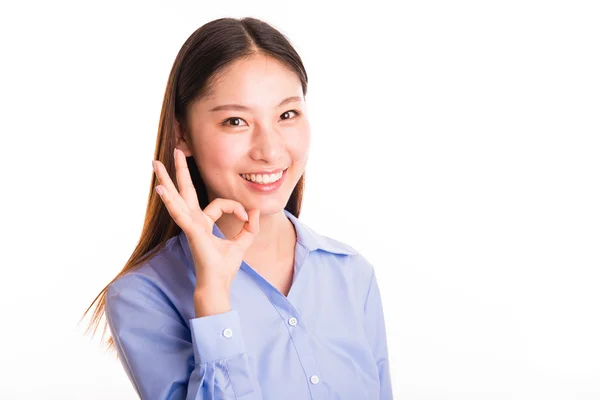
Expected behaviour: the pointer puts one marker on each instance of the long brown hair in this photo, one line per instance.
(208, 50)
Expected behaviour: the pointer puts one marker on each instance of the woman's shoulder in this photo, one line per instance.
(336, 250)
(338, 261)
(313, 240)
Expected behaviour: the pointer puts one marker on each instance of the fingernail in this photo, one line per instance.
(246, 216)
(158, 190)
(175, 152)
(153, 166)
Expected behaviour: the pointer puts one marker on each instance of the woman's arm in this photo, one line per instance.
(375, 329)
(164, 359)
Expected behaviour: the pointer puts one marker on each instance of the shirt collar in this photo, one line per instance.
(305, 236)
(314, 241)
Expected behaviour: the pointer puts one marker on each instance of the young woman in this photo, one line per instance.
(228, 295)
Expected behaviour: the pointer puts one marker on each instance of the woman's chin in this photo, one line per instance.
(268, 206)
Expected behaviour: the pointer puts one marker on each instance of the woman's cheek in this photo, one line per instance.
(224, 153)
(300, 144)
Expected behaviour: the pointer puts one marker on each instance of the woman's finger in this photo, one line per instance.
(184, 181)
(169, 195)
(168, 187)
(246, 236)
(219, 206)
(164, 177)
(181, 217)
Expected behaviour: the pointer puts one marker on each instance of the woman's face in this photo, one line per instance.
(253, 120)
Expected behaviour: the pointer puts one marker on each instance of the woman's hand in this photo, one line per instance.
(216, 260)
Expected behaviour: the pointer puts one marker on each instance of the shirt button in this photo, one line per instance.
(292, 321)
(314, 379)
(228, 333)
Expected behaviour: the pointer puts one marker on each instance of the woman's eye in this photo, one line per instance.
(235, 121)
(287, 114)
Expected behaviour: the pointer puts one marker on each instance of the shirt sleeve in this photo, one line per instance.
(165, 358)
(374, 325)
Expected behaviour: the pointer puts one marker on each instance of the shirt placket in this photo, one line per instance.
(299, 335)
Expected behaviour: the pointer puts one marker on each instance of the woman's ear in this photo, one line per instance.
(182, 139)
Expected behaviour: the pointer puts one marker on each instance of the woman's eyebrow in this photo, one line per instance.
(239, 107)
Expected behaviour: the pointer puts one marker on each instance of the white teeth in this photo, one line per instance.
(263, 179)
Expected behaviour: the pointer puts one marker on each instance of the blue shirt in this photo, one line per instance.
(326, 340)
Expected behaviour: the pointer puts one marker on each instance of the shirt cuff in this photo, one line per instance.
(217, 337)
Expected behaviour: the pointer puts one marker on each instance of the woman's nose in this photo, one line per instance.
(267, 144)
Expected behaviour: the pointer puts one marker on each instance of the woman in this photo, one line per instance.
(228, 295)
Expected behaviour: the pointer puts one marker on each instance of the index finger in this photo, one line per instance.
(184, 180)
(219, 206)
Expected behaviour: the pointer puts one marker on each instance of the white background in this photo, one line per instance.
(455, 144)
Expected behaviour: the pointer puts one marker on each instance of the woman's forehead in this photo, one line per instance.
(253, 83)
(251, 74)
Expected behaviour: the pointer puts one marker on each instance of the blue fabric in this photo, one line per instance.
(336, 349)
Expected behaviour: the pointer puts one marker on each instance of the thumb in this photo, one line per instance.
(251, 227)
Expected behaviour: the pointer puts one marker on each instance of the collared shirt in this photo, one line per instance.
(325, 340)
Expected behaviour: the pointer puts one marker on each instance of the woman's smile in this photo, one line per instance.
(264, 183)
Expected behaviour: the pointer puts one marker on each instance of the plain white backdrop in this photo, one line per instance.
(456, 144)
